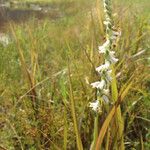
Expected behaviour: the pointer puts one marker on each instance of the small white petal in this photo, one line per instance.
(106, 22)
(112, 52)
(103, 48)
(103, 67)
(113, 37)
(106, 91)
(109, 75)
(109, 72)
(105, 98)
(100, 68)
(111, 57)
(115, 33)
(105, 5)
(99, 84)
(95, 106)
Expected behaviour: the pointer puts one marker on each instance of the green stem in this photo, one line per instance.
(78, 138)
(65, 129)
(95, 133)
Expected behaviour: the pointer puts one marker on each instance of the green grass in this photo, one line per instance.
(39, 94)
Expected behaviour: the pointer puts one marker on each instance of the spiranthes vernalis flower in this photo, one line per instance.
(105, 91)
(116, 33)
(111, 57)
(108, 76)
(107, 22)
(104, 47)
(99, 84)
(95, 106)
(103, 67)
(105, 99)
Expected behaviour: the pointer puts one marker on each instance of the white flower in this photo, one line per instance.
(103, 48)
(99, 84)
(115, 33)
(111, 52)
(106, 23)
(111, 57)
(105, 98)
(113, 37)
(106, 91)
(95, 106)
(108, 75)
(103, 67)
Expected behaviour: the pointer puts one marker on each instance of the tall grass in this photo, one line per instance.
(44, 108)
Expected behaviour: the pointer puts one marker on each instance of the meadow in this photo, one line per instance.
(48, 65)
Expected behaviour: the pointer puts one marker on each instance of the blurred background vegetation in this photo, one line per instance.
(43, 41)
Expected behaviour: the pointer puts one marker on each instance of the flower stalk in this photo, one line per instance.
(105, 70)
(107, 74)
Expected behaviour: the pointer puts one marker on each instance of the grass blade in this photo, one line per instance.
(110, 116)
(78, 138)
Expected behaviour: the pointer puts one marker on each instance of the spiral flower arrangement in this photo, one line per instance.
(104, 70)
